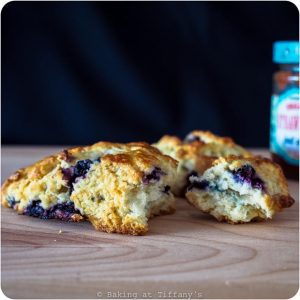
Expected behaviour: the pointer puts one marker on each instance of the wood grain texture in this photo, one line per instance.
(187, 252)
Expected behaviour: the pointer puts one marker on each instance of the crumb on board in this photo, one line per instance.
(60, 231)
(227, 282)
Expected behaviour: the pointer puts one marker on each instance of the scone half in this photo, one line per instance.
(239, 190)
(117, 187)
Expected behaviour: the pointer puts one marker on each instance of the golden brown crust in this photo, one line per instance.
(170, 140)
(146, 158)
(208, 144)
(209, 137)
(282, 201)
(77, 218)
(129, 229)
(145, 154)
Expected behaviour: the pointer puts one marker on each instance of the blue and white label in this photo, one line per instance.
(284, 139)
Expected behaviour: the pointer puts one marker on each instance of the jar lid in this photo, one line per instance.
(286, 52)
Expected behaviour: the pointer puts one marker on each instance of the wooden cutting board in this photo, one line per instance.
(185, 255)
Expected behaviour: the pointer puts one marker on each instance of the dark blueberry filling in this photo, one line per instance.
(166, 189)
(12, 202)
(247, 174)
(63, 211)
(153, 176)
(34, 209)
(193, 173)
(72, 174)
(192, 138)
(200, 185)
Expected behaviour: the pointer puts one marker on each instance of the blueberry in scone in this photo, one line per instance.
(195, 149)
(238, 190)
(117, 187)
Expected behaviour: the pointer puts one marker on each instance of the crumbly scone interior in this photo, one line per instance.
(224, 197)
(221, 192)
(117, 196)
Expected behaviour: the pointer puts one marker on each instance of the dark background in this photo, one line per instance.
(77, 73)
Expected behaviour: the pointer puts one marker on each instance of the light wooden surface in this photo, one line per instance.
(187, 252)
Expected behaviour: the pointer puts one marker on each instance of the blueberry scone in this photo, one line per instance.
(238, 190)
(195, 149)
(117, 187)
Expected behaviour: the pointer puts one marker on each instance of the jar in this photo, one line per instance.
(284, 131)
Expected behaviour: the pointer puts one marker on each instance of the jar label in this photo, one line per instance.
(284, 139)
